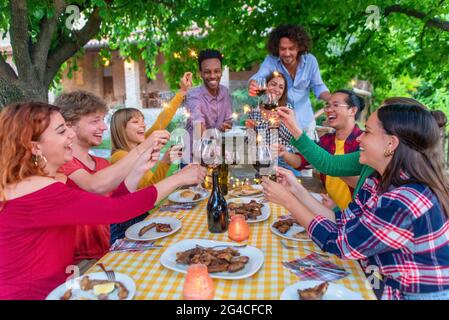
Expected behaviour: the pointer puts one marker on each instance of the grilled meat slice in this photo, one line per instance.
(242, 259)
(236, 266)
(314, 293)
(218, 266)
(146, 229)
(162, 227)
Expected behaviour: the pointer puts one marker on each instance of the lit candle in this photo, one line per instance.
(246, 108)
(238, 229)
(198, 284)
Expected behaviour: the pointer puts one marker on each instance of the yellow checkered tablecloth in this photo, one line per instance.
(155, 282)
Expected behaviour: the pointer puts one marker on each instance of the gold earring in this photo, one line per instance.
(40, 161)
(388, 153)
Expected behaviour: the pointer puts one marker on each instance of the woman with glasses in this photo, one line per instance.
(341, 110)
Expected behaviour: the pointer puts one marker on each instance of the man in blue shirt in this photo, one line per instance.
(289, 47)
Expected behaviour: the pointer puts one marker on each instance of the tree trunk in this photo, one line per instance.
(21, 91)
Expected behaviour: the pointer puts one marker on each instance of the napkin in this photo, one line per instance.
(125, 245)
(306, 273)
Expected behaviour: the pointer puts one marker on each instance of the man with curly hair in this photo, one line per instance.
(289, 47)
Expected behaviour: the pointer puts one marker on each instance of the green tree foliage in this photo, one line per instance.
(410, 43)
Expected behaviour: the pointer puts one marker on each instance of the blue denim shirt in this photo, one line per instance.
(307, 77)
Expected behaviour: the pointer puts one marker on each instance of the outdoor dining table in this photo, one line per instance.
(155, 282)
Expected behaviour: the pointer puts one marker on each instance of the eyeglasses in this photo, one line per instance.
(335, 105)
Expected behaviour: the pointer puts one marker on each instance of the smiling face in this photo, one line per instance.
(55, 143)
(338, 112)
(90, 128)
(211, 73)
(276, 87)
(373, 143)
(288, 51)
(135, 130)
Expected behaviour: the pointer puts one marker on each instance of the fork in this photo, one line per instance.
(302, 266)
(109, 273)
(285, 245)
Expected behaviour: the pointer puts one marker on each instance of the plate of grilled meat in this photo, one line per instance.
(189, 195)
(95, 286)
(289, 229)
(154, 228)
(252, 209)
(224, 260)
(316, 290)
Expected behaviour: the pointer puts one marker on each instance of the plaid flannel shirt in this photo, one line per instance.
(403, 232)
(270, 136)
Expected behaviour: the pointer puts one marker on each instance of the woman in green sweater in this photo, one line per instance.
(344, 165)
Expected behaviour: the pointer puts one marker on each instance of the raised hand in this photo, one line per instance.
(156, 140)
(274, 192)
(287, 179)
(288, 118)
(173, 154)
(227, 125)
(327, 201)
(186, 82)
(253, 88)
(192, 174)
(279, 149)
(250, 123)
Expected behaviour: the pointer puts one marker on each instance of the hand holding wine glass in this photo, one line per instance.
(287, 117)
(192, 174)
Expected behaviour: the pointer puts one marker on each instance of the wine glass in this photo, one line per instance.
(209, 153)
(179, 144)
(261, 88)
(264, 159)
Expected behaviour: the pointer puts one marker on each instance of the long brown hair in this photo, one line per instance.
(119, 120)
(20, 124)
(417, 154)
(276, 74)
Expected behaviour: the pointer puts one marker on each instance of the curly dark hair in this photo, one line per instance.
(295, 33)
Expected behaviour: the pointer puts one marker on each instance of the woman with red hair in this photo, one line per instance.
(38, 213)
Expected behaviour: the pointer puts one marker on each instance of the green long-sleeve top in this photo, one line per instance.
(344, 165)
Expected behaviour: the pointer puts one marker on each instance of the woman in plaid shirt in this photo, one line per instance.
(398, 221)
(263, 120)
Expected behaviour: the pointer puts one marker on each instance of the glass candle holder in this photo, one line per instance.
(238, 229)
(198, 284)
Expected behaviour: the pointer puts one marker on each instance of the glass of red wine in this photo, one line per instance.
(264, 160)
(261, 88)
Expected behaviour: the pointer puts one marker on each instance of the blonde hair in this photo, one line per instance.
(119, 120)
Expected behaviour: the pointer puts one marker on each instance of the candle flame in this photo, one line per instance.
(246, 108)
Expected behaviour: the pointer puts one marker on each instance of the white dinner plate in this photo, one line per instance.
(295, 228)
(334, 291)
(265, 210)
(256, 258)
(176, 196)
(232, 193)
(78, 294)
(133, 231)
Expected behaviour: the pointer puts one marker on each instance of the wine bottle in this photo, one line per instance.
(217, 208)
(223, 178)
